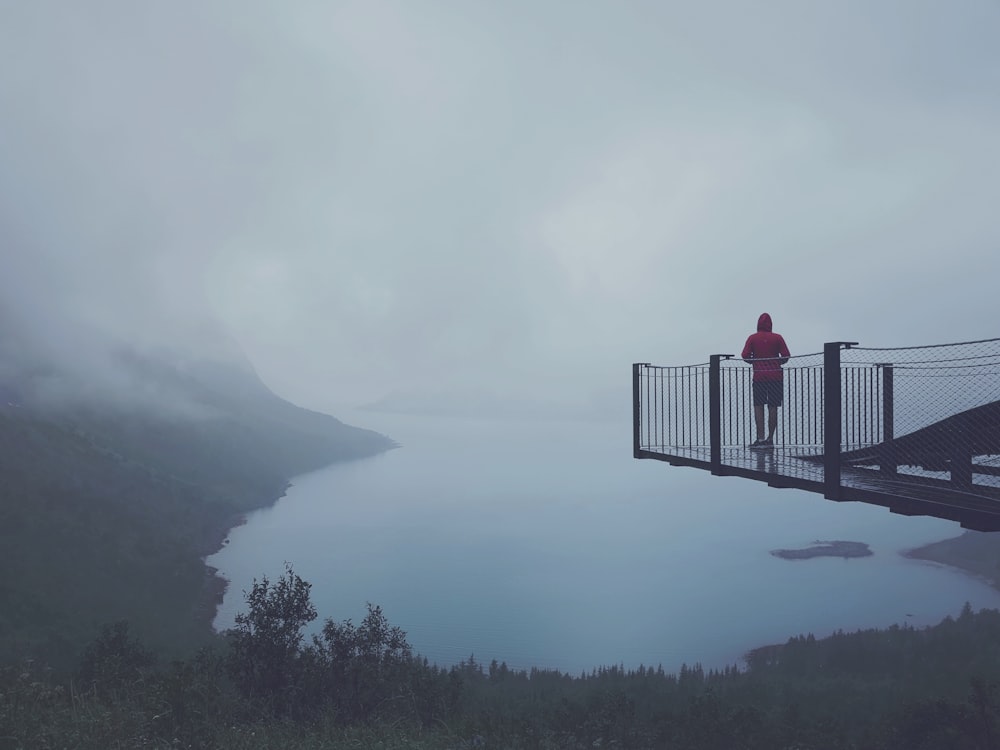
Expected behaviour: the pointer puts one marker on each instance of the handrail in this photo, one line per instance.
(871, 411)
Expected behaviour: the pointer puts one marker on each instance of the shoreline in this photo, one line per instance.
(215, 586)
(974, 553)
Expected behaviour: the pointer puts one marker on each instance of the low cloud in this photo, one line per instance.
(365, 199)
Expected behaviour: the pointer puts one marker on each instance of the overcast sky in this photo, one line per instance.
(372, 197)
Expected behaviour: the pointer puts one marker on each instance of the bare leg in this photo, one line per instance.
(758, 416)
(772, 421)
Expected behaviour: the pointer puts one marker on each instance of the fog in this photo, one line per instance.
(368, 199)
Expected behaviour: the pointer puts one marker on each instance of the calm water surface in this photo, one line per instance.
(546, 544)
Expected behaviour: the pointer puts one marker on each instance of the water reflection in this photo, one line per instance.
(765, 459)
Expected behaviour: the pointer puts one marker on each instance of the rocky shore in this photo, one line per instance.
(825, 549)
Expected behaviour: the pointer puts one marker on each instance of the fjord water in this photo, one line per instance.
(544, 543)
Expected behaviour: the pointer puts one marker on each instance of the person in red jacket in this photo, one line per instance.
(767, 352)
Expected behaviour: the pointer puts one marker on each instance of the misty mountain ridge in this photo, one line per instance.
(72, 364)
(58, 360)
(165, 391)
(122, 470)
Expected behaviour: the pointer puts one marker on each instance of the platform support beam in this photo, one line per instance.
(636, 409)
(715, 412)
(832, 419)
(887, 463)
(960, 460)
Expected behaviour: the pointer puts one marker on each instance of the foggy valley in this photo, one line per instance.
(316, 323)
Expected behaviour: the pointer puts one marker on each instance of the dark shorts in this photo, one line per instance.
(768, 392)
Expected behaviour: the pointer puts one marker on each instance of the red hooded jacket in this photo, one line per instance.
(766, 351)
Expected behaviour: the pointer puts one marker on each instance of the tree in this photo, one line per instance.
(366, 666)
(114, 660)
(266, 655)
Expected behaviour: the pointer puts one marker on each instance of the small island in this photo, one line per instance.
(825, 549)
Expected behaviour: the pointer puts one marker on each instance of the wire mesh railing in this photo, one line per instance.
(800, 417)
(927, 413)
(674, 406)
(946, 411)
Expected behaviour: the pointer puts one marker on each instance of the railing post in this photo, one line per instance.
(832, 410)
(887, 451)
(715, 412)
(960, 461)
(636, 409)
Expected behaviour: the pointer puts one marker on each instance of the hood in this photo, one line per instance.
(764, 322)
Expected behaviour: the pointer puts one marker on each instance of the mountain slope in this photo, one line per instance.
(109, 499)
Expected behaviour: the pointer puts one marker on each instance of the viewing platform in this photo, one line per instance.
(916, 429)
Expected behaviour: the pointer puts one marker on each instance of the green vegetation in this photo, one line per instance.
(106, 512)
(361, 687)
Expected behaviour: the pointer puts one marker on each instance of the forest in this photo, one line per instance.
(263, 684)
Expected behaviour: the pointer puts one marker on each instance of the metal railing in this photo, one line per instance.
(927, 413)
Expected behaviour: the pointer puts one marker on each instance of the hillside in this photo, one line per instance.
(976, 552)
(111, 497)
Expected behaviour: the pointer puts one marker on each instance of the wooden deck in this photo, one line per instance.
(799, 467)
